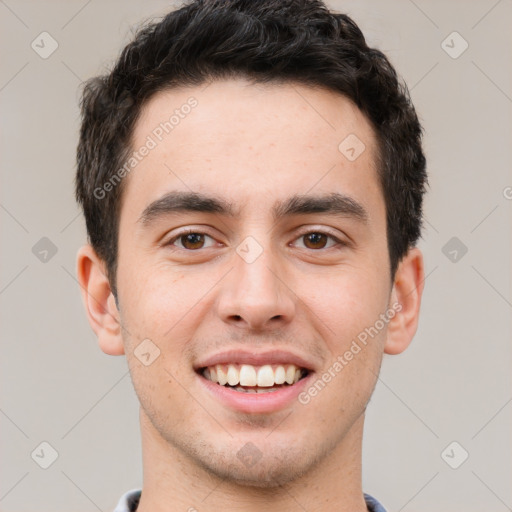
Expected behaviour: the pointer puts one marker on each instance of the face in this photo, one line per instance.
(252, 235)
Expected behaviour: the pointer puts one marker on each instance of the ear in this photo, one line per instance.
(405, 300)
(99, 301)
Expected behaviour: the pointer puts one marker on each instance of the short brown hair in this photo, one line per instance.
(266, 41)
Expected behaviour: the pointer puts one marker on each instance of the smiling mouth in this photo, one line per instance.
(246, 378)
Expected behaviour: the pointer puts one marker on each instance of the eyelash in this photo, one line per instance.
(338, 242)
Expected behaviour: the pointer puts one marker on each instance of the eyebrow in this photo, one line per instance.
(178, 202)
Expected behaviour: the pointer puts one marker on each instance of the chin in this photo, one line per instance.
(264, 477)
(266, 473)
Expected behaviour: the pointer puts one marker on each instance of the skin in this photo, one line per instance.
(252, 145)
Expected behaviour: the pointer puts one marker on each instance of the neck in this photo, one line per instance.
(173, 482)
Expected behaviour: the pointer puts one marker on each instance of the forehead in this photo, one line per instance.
(251, 144)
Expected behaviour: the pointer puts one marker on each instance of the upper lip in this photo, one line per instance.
(254, 358)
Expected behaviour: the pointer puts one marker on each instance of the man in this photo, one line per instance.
(252, 176)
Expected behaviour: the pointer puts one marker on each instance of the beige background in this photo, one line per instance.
(453, 384)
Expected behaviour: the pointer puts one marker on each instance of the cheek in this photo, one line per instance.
(346, 302)
(160, 300)
(156, 307)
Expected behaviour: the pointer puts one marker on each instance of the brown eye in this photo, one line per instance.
(315, 240)
(191, 241)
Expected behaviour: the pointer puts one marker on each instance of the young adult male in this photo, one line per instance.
(252, 178)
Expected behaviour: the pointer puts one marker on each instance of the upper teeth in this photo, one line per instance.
(248, 375)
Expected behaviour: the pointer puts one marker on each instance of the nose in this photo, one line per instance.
(256, 295)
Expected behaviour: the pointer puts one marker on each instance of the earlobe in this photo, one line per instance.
(406, 300)
(99, 301)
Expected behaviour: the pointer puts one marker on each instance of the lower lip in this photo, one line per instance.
(256, 402)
